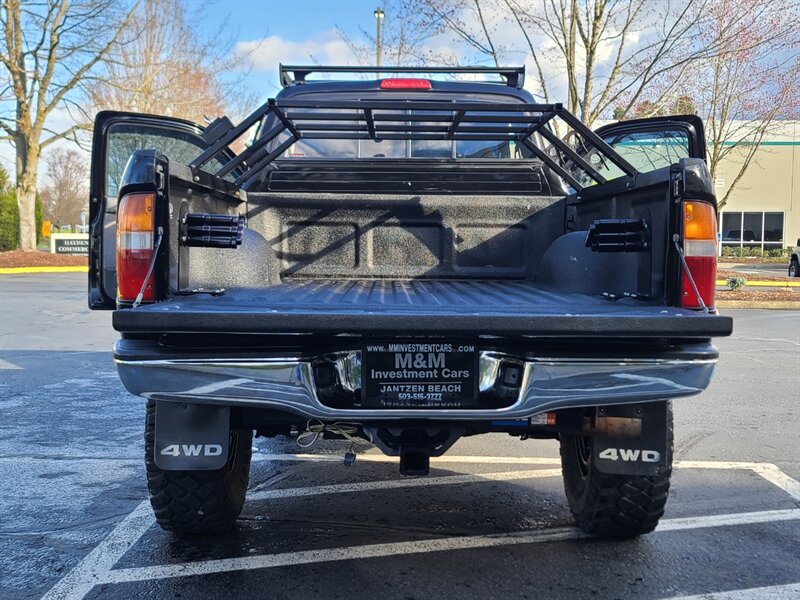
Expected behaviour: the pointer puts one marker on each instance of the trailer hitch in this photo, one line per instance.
(415, 444)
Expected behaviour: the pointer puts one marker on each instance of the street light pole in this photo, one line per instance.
(378, 20)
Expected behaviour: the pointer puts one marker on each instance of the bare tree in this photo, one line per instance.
(752, 85)
(468, 21)
(734, 62)
(608, 55)
(165, 66)
(49, 50)
(402, 38)
(65, 193)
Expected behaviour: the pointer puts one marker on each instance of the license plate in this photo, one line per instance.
(419, 375)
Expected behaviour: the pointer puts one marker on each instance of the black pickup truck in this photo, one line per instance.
(401, 262)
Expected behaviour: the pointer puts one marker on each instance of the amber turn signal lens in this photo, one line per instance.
(699, 221)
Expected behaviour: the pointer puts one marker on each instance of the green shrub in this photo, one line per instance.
(734, 251)
(736, 282)
(749, 252)
(9, 221)
(778, 253)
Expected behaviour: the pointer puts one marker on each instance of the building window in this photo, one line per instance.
(773, 230)
(752, 229)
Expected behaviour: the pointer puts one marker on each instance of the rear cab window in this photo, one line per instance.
(354, 149)
(645, 150)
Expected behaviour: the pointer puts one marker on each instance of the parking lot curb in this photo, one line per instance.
(759, 283)
(770, 305)
(24, 270)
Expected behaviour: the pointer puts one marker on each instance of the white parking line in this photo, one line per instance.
(772, 592)
(768, 471)
(382, 458)
(5, 365)
(268, 561)
(393, 484)
(79, 582)
(777, 477)
(97, 567)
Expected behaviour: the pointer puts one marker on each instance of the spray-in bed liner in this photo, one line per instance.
(414, 307)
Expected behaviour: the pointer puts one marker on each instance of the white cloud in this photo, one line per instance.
(264, 54)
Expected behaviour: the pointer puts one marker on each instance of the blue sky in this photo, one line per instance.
(294, 20)
(293, 30)
(281, 31)
(269, 32)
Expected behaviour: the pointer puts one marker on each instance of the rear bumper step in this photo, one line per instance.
(286, 383)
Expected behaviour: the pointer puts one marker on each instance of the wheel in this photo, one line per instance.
(619, 506)
(794, 270)
(198, 501)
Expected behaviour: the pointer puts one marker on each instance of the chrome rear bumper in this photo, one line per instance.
(287, 384)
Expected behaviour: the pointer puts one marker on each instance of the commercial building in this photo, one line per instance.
(763, 211)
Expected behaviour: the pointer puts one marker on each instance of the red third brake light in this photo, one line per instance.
(700, 252)
(135, 231)
(405, 84)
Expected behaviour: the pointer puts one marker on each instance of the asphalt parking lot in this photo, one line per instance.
(490, 522)
(753, 270)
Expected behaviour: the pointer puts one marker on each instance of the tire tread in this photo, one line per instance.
(618, 506)
(197, 501)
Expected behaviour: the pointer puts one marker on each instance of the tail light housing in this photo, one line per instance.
(135, 235)
(700, 253)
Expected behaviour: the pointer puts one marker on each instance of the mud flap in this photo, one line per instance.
(646, 455)
(191, 437)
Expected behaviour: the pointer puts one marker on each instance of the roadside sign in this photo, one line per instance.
(76, 244)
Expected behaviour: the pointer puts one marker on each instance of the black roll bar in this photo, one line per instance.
(296, 74)
(390, 119)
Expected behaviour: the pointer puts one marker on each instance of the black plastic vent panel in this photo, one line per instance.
(213, 231)
(617, 235)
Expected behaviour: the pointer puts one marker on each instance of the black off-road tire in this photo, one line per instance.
(794, 268)
(198, 501)
(618, 506)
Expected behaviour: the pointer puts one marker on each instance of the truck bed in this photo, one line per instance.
(415, 307)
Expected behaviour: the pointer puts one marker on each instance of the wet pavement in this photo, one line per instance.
(490, 522)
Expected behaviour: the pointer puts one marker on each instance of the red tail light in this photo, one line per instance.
(135, 232)
(700, 252)
(405, 84)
